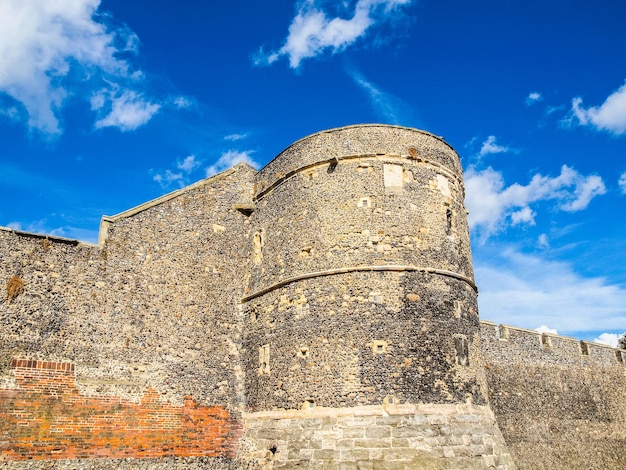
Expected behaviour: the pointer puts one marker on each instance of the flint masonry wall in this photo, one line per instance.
(129, 349)
(560, 402)
(320, 313)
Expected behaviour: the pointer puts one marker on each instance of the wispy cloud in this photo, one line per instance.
(526, 290)
(386, 106)
(47, 47)
(312, 31)
(126, 111)
(494, 206)
(622, 182)
(188, 164)
(235, 137)
(169, 178)
(533, 97)
(490, 146)
(610, 116)
(229, 159)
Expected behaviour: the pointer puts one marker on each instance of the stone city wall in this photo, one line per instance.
(559, 402)
(148, 324)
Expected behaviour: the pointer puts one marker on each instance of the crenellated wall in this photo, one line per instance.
(560, 402)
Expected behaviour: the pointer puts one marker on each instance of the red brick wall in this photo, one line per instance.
(46, 417)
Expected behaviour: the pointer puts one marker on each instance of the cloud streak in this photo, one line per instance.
(312, 31)
(386, 106)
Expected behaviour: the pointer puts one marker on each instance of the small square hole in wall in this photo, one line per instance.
(390, 400)
(308, 404)
(364, 202)
(303, 351)
(379, 347)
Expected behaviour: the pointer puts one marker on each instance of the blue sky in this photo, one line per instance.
(105, 105)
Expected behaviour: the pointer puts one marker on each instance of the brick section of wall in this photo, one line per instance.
(46, 417)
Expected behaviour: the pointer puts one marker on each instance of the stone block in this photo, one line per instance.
(354, 454)
(378, 432)
(372, 443)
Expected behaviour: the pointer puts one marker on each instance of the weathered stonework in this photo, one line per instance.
(320, 313)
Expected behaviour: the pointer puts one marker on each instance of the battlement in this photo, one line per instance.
(548, 347)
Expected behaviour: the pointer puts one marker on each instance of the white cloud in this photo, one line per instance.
(489, 146)
(545, 329)
(543, 242)
(229, 159)
(610, 339)
(520, 289)
(386, 106)
(235, 137)
(609, 116)
(533, 97)
(622, 182)
(492, 206)
(168, 178)
(312, 32)
(45, 46)
(127, 111)
(182, 102)
(188, 164)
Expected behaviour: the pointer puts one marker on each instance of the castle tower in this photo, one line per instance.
(361, 325)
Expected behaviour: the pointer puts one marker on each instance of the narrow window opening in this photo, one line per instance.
(462, 351)
(258, 247)
(333, 165)
(448, 221)
(264, 359)
(618, 356)
(545, 341)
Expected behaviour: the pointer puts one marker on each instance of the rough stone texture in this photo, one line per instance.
(557, 407)
(149, 319)
(380, 437)
(320, 313)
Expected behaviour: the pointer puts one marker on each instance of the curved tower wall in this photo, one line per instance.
(362, 274)
(361, 292)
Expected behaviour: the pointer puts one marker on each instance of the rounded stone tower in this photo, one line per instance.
(361, 306)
